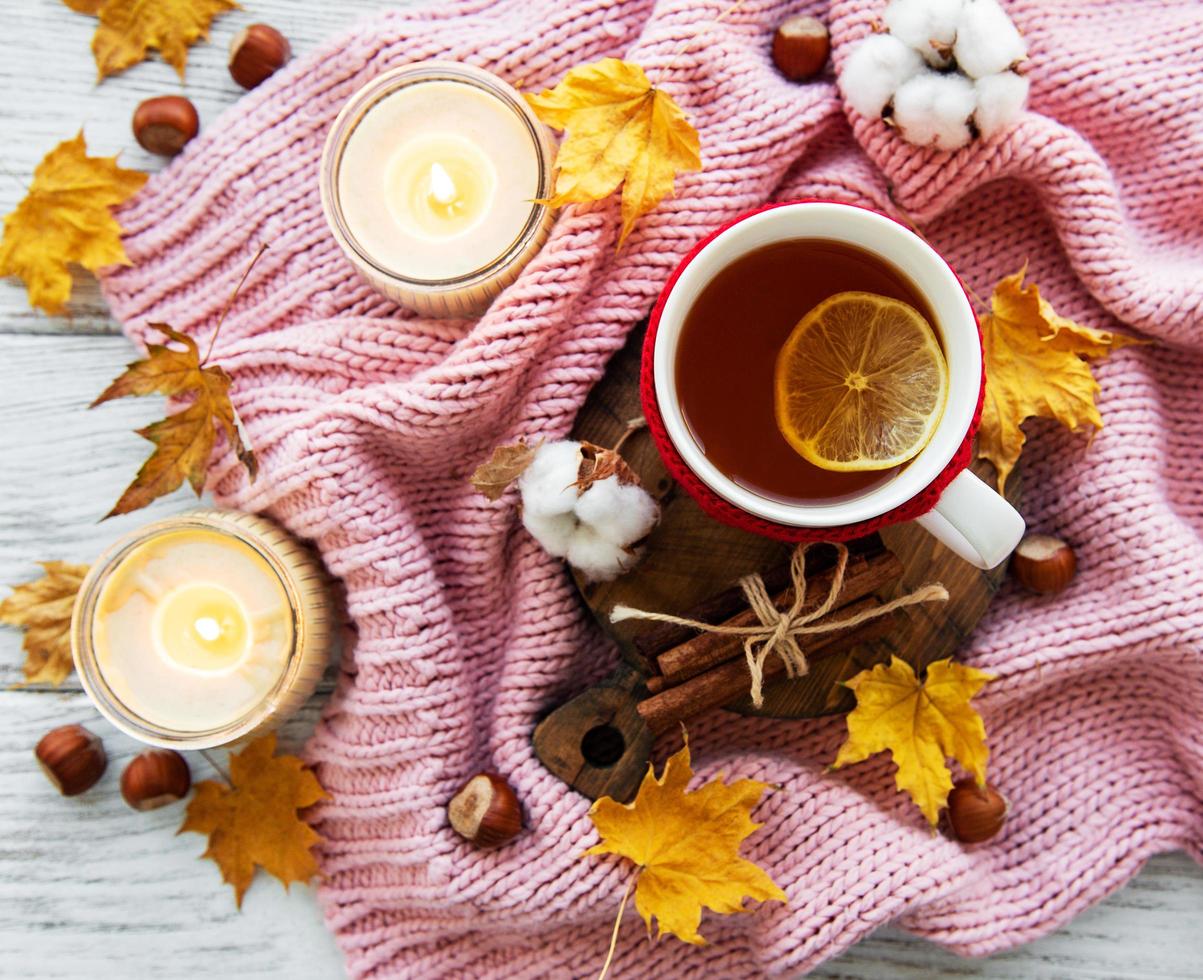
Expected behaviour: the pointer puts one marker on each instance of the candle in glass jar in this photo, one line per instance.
(431, 179)
(201, 629)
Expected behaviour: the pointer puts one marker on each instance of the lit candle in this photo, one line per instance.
(198, 630)
(431, 178)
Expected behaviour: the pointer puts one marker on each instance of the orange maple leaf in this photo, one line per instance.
(65, 218)
(43, 609)
(255, 822)
(183, 441)
(128, 29)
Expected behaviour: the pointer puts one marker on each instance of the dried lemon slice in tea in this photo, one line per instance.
(860, 384)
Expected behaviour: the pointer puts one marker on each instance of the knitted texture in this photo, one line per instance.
(720, 509)
(368, 420)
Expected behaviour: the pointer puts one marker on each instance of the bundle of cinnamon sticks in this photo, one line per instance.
(696, 672)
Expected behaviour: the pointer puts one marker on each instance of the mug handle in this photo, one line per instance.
(974, 522)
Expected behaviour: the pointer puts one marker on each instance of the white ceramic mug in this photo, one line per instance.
(970, 517)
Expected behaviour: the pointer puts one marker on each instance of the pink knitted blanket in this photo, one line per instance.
(368, 420)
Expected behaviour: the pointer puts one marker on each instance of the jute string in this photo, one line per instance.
(779, 630)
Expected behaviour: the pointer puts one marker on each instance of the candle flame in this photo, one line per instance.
(208, 628)
(442, 187)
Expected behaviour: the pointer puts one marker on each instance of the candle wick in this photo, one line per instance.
(442, 187)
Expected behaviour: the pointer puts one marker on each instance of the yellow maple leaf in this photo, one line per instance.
(254, 821)
(921, 723)
(620, 129)
(1036, 365)
(128, 29)
(65, 218)
(43, 609)
(686, 846)
(183, 441)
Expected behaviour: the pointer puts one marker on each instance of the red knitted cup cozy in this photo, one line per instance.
(723, 510)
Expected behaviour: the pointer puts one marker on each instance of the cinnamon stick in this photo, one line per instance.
(721, 606)
(717, 608)
(728, 681)
(702, 651)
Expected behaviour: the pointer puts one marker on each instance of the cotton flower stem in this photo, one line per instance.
(622, 907)
(633, 426)
(230, 303)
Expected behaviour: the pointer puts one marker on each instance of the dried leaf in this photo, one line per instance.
(1036, 365)
(620, 129)
(685, 846)
(183, 441)
(597, 463)
(128, 29)
(255, 821)
(921, 723)
(505, 466)
(43, 609)
(65, 218)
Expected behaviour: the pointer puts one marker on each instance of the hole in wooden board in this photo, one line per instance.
(603, 745)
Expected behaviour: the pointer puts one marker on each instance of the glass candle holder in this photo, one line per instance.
(431, 181)
(202, 629)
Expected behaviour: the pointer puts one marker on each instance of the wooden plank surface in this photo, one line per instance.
(91, 889)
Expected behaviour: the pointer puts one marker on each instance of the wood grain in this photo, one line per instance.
(90, 889)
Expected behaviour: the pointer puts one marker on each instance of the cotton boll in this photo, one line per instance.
(987, 41)
(1000, 100)
(926, 25)
(621, 513)
(547, 485)
(933, 110)
(553, 531)
(874, 70)
(598, 558)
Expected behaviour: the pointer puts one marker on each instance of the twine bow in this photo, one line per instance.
(779, 630)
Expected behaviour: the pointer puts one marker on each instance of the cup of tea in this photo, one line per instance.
(713, 386)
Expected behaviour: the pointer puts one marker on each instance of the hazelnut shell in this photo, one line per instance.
(1043, 564)
(164, 124)
(155, 778)
(486, 811)
(975, 813)
(800, 47)
(256, 53)
(72, 758)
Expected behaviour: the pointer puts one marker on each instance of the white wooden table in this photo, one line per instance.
(87, 886)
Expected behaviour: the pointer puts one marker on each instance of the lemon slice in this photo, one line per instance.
(860, 384)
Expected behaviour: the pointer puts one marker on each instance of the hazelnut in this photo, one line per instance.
(800, 47)
(1043, 564)
(256, 53)
(975, 813)
(164, 124)
(72, 758)
(155, 778)
(486, 811)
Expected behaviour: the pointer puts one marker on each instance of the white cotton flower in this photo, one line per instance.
(1000, 100)
(553, 531)
(597, 557)
(548, 484)
(620, 512)
(928, 26)
(933, 109)
(987, 42)
(874, 70)
(596, 528)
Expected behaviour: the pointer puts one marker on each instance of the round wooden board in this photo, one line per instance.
(691, 556)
